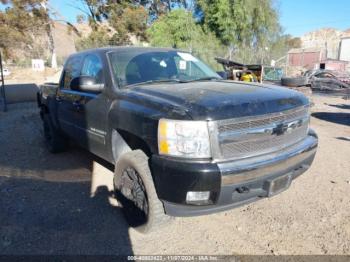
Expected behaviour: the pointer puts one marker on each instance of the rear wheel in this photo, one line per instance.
(136, 193)
(55, 142)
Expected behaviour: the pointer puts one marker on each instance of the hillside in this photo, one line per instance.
(325, 38)
(64, 39)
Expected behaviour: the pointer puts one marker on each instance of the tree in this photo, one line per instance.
(245, 26)
(20, 23)
(157, 8)
(131, 20)
(115, 22)
(281, 45)
(178, 29)
(129, 16)
(293, 42)
(96, 38)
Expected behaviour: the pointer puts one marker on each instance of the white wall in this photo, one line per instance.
(344, 53)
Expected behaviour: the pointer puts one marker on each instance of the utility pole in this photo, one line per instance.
(58, 17)
(49, 30)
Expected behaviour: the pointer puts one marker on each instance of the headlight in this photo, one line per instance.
(183, 138)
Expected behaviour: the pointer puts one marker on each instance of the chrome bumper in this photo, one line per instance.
(242, 171)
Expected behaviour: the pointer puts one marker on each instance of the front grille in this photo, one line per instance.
(252, 122)
(260, 146)
(252, 136)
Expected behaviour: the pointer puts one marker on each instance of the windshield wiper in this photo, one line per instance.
(158, 81)
(175, 80)
(204, 79)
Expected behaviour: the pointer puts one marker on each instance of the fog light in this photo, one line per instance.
(199, 197)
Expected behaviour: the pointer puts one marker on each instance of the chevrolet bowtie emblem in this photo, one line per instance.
(283, 128)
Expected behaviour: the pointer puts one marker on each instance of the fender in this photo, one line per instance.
(119, 145)
(134, 125)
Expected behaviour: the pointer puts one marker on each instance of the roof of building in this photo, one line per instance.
(304, 50)
(334, 60)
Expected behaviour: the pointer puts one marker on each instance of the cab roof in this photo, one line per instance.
(103, 50)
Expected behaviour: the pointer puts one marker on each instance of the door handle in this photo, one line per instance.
(77, 105)
(58, 99)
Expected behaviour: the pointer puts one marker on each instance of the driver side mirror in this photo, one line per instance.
(86, 83)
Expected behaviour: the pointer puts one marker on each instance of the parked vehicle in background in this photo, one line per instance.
(184, 142)
(263, 74)
(328, 80)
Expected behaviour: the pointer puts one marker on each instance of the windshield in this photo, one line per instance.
(132, 67)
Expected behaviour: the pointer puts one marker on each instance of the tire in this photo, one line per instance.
(55, 142)
(294, 81)
(136, 193)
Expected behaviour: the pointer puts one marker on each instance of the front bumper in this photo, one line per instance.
(174, 178)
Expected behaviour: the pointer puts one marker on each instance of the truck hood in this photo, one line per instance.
(215, 100)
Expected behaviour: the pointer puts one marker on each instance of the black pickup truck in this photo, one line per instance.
(184, 142)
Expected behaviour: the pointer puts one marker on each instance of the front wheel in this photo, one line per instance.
(136, 193)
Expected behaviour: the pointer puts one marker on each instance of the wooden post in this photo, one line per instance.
(2, 87)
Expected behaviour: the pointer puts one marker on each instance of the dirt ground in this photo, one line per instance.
(27, 75)
(46, 206)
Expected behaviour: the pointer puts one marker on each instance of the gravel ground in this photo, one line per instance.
(46, 206)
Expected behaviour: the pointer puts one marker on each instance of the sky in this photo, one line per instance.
(297, 17)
